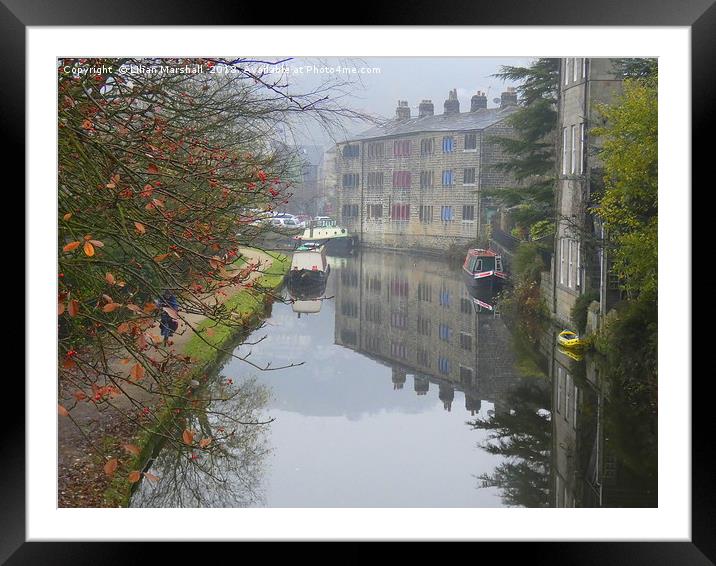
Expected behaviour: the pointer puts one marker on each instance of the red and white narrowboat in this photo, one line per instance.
(483, 270)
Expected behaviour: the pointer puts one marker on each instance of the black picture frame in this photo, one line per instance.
(699, 15)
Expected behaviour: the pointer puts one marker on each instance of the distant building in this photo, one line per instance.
(306, 193)
(328, 183)
(579, 262)
(418, 182)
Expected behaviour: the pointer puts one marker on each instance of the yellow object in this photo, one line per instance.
(568, 339)
(575, 353)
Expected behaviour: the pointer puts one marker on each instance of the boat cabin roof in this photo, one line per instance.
(480, 252)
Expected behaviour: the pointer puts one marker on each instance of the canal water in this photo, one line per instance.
(395, 387)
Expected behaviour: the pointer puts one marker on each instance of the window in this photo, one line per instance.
(569, 263)
(575, 68)
(561, 260)
(446, 213)
(350, 151)
(468, 213)
(401, 148)
(448, 178)
(426, 179)
(398, 350)
(349, 309)
(350, 211)
(573, 167)
(466, 341)
(399, 287)
(375, 211)
(351, 180)
(465, 305)
(444, 332)
(424, 326)
(401, 179)
(468, 176)
(398, 320)
(373, 284)
(581, 148)
(566, 71)
(470, 142)
(444, 297)
(426, 146)
(565, 151)
(584, 68)
(466, 376)
(444, 365)
(376, 150)
(374, 180)
(423, 358)
(400, 212)
(448, 144)
(425, 292)
(349, 278)
(426, 213)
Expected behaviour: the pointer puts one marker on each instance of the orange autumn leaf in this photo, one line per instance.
(153, 169)
(87, 124)
(125, 361)
(74, 307)
(187, 436)
(140, 227)
(151, 477)
(134, 476)
(89, 249)
(67, 216)
(204, 442)
(161, 257)
(149, 307)
(60, 308)
(109, 307)
(122, 328)
(111, 466)
(131, 449)
(71, 246)
(137, 371)
(110, 279)
(62, 411)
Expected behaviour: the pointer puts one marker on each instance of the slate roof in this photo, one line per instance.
(478, 120)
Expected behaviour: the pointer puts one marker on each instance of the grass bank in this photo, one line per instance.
(250, 305)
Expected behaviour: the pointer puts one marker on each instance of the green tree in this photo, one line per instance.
(628, 205)
(532, 150)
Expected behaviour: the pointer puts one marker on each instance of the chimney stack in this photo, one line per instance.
(402, 112)
(426, 108)
(452, 104)
(508, 98)
(478, 102)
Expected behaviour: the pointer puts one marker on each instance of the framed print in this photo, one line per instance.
(392, 282)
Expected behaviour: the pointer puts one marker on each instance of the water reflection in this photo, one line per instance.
(417, 316)
(405, 368)
(228, 473)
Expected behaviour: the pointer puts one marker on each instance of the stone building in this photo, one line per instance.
(405, 313)
(579, 264)
(418, 181)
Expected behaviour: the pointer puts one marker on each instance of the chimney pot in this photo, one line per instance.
(452, 104)
(508, 98)
(478, 102)
(426, 108)
(402, 112)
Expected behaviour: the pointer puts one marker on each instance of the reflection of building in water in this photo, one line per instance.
(589, 468)
(414, 314)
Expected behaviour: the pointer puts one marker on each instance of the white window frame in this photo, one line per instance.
(575, 70)
(581, 148)
(573, 152)
(561, 261)
(579, 267)
(565, 151)
(566, 71)
(569, 263)
(584, 67)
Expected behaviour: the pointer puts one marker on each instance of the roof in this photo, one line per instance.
(477, 120)
(481, 252)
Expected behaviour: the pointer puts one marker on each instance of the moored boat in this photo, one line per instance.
(324, 230)
(483, 269)
(309, 268)
(569, 340)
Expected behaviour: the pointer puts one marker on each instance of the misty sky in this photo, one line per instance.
(399, 78)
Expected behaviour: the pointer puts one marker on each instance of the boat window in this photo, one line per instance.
(476, 264)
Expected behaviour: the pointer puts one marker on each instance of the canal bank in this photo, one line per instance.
(101, 451)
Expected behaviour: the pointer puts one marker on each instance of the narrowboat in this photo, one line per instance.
(483, 270)
(325, 231)
(309, 268)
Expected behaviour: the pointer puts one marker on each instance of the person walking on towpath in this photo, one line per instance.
(168, 324)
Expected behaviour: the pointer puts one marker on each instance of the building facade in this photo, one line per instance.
(418, 182)
(579, 263)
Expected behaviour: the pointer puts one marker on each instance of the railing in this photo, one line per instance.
(505, 240)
